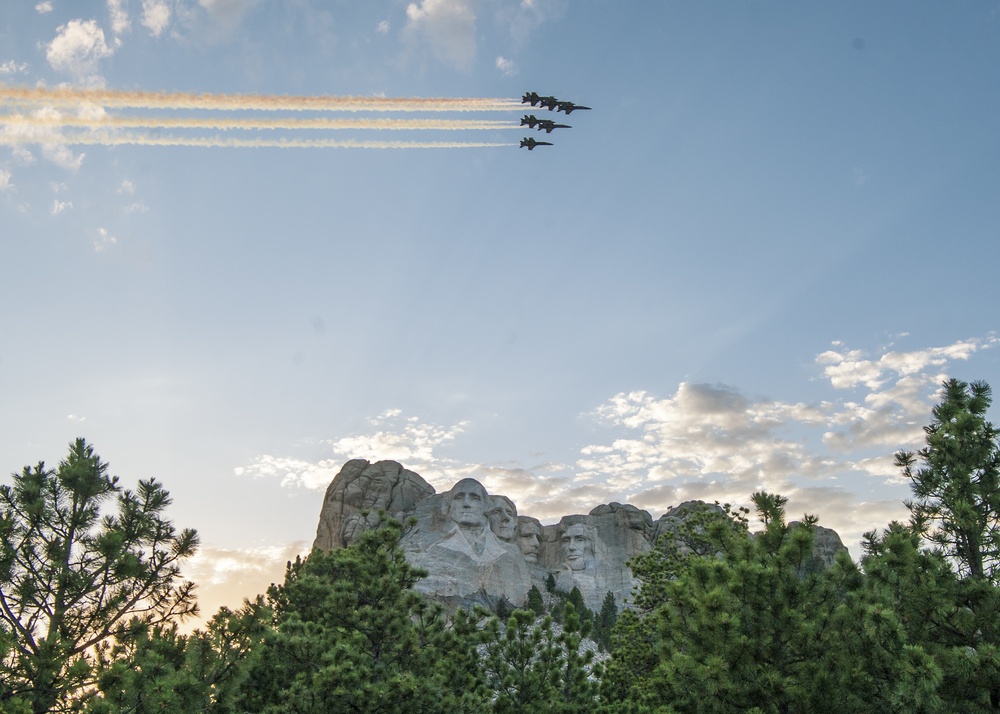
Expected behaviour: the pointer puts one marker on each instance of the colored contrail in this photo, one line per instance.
(226, 123)
(100, 139)
(62, 96)
(52, 110)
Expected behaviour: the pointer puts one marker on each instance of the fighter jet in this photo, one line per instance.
(529, 120)
(548, 125)
(531, 143)
(568, 107)
(549, 103)
(531, 97)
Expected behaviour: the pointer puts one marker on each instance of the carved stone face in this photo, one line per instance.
(503, 518)
(577, 547)
(467, 503)
(527, 540)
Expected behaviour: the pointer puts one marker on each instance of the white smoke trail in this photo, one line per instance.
(63, 96)
(228, 123)
(103, 139)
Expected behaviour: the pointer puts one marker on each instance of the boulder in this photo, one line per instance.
(356, 495)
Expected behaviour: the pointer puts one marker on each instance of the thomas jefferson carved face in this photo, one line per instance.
(577, 547)
(503, 518)
(467, 503)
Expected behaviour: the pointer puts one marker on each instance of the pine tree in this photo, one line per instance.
(956, 491)
(738, 624)
(72, 581)
(605, 621)
(350, 634)
(535, 603)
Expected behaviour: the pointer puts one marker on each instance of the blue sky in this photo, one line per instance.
(750, 266)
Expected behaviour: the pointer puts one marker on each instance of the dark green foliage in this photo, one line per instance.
(956, 491)
(72, 581)
(504, 609)
(351, 635)
(159, 670)
(605, 621)
(730, 623)
(550, 583)
(530, 668)
(535, 602)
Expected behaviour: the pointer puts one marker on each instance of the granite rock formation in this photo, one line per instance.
(478, 550)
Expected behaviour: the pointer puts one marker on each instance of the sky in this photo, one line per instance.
(749, 266)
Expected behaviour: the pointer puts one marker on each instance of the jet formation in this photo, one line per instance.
(547, 125)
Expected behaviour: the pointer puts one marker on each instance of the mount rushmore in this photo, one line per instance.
(477, 549)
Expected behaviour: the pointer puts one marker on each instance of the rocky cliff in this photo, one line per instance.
(477, 549)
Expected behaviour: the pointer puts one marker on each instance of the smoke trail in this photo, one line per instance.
(62, 96)
(227, 123)
(100, 139)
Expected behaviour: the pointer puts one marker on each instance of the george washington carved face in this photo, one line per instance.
(467, 503)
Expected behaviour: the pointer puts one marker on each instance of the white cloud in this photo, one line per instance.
(448, 27)
(227, 575)
(127, 187)
(506, 66)
(155, 16)
(43, 133)
(77, 48)
(705, 441)
(294, 473)
(119, 17)
(12, 67)
(228, 13)
(383, 27)
(104, 240)
(43, 8)
(60, 206)
(524, 18)
(5, 180)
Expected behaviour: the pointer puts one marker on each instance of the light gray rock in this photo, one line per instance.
(456, 541)
(477, 549)
(826, 545)
(363, 487)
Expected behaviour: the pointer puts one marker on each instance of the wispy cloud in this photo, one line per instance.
(60, 206)
(77, 48)
(104, 240)
(44, 7)
(448, 27)
(155, 16)
(705, 441)
(227, 575)
(506, 66)
(228, 14)
(11, 67)
(5, 180)
(118, 15)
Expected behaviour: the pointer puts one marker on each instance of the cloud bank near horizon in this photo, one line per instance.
(705, 441)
